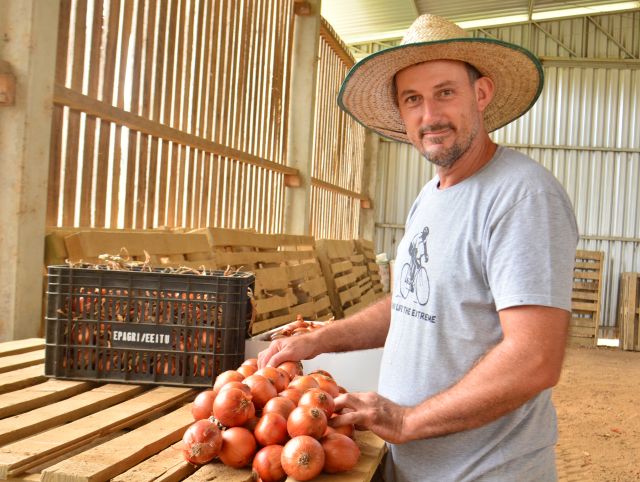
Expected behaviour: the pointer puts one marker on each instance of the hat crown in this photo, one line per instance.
(432, 28)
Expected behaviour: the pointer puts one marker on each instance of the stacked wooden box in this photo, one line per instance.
(629, 311)
(365, 247)
(346, 275)
(288, 278)
(163, 248)
(586, 298)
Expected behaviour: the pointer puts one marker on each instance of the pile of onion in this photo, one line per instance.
(274, 420)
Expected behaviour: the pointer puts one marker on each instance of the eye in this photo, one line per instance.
(412, 99)
(446, 92)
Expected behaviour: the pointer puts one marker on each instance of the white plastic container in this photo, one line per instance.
(357, 371)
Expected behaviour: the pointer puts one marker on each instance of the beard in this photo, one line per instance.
(446, 157)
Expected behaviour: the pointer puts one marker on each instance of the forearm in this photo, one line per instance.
(365, 329)
(511, 373)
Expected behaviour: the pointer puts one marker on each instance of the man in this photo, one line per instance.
(464, 389)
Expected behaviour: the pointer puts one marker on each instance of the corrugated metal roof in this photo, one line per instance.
(366, 20)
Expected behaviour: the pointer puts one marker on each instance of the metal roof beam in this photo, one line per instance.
(610, 37)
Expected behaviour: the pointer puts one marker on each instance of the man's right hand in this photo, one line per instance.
(292, 348)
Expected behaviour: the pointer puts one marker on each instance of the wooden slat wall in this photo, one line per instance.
(204, 86)
(339, 148)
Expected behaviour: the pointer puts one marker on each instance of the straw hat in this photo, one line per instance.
(367, 92)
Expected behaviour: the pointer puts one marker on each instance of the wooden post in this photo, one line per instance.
(29, 30)
(306, 38)
(369, 179)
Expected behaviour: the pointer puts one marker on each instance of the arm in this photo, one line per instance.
(366, 329)
(527, 361)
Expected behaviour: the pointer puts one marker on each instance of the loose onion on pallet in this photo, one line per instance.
(281, 431)
(295, 328)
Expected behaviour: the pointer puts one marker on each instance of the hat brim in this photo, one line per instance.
(367, 93)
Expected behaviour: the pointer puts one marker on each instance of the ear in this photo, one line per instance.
(484, 88)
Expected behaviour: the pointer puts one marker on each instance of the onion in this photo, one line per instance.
(327, 384)
(233, 407)
(238, 447)
(279, 378)
(203, 405)
(245, 388)
(226, 377)
(281, 405)
(202, 442)
(303, 383)
(307, 421)
(341, 453)
(267, 464)
(292, 394)
(292, 368)
(271, 429)
(251, 362)
(262, 389)
(302, 458)
(314, 397)
(247, 370)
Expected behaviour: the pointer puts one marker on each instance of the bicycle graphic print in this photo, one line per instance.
(413, 276)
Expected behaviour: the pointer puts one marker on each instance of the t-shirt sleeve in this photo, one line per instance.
(531, 253)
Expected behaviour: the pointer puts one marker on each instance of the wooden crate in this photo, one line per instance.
(288, 278)
(629, 311)
(346, 275)
(68, 430)
(306, 277)
(586, 298)
(164, 248)
(365, 247)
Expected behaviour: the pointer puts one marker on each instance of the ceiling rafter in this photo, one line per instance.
(611, 37)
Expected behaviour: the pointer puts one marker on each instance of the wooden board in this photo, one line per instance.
(22, 360)
(115, 456)
(81, 405)
(135, 440)
(21, 378)
(21, 346)
(586, 297)
(18, 457)
(629, 311)
(40, 395)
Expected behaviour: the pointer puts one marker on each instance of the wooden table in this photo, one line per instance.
(62, 430)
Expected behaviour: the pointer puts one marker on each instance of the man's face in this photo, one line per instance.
(439, 107)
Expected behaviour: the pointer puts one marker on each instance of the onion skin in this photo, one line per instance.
(202, 407)
(233, 407)
(341, 453)
(238, 447)
(302, 458)
(267, 464)
(202, 442)
(309, 421)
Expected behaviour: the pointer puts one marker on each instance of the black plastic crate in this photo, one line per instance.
(145, 326)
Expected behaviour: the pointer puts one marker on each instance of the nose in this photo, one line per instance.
(429, 112)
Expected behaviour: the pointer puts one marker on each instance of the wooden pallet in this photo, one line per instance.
(288, 280)
(306, 278)
(346, 275)
(629, 311)
(64, 431)
(365, 247)
(586, 298)
(164, 248)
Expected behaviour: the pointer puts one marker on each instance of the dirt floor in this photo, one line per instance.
(598, 405)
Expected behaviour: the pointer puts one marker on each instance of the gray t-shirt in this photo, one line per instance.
(505, 236)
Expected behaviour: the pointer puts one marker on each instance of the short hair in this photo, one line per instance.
(473, 73)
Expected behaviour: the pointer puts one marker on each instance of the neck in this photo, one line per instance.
(474, 159)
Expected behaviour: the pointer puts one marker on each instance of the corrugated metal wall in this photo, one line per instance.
(585, 128)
